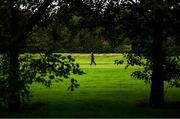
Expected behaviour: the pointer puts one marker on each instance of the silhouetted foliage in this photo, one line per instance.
(18, 21)
(45, 69)
(152, 27)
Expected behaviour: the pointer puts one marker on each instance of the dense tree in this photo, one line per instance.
(153, 28)
(17, 24)
(78, 31)
(19, 19)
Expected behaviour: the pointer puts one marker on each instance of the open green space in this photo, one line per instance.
(106, 90)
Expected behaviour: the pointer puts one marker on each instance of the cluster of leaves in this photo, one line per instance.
(134, 59)
(43, 70)
(118, 62)
(74, 84)
(171, 68)
(172, 71)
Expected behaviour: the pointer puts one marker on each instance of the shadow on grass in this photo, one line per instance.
(25, 107)
(167, 105)
(32, 106)
(26, 110)
(172, 105)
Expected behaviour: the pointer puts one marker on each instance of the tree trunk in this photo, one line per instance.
(157, 84)
(13, 100)
(157, 87)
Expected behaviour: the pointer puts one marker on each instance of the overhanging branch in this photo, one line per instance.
(22, 33)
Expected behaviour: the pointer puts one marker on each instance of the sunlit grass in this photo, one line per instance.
(106, 90)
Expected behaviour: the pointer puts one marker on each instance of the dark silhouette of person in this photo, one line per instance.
(92, 58)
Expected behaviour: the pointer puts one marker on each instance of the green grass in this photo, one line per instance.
(106, 90)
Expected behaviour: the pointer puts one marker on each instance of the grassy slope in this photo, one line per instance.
(106, 90)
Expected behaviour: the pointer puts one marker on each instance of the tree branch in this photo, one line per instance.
(22, 33)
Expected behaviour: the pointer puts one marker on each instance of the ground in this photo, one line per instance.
(106, 90)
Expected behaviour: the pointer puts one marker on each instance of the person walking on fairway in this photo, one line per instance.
(92, 58)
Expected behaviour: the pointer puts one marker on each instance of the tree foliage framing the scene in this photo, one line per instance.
(153, 28)
(45, 70)
(19, 19)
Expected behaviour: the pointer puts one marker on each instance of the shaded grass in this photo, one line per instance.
(106, 90)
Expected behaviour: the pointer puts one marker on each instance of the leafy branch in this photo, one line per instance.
(46, 69)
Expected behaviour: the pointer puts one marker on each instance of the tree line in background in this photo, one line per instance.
(70, 30)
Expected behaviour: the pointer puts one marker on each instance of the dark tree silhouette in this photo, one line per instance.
(150, 26)
(18, 20)
(17, 30)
